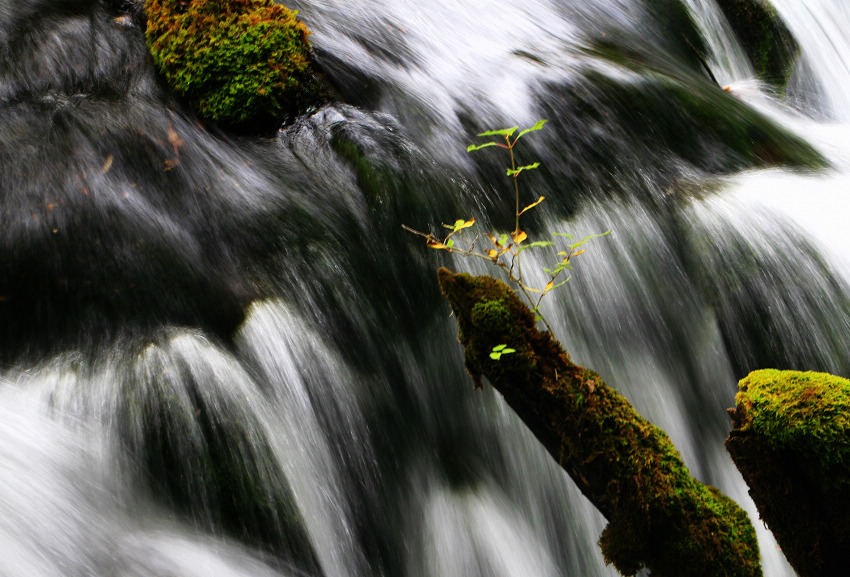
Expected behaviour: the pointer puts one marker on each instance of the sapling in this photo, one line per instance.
(508, 248)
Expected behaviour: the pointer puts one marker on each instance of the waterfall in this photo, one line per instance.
(729, 63)
(821, 29)
(222, 355)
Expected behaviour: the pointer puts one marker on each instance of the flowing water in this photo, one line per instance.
(223, 356)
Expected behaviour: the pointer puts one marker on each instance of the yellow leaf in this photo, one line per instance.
(532, 205)
(549, 286)
(492, 253)
(579, 252)
(107, 165)
(460, 224)
(519, 236)
(434, 243)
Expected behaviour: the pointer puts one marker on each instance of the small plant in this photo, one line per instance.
(508, 248)
(500, 350)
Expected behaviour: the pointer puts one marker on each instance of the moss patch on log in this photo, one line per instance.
(791, 441)
(244, 64)
(659, 516)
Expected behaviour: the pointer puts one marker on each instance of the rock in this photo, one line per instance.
(791, 441)
(243, 64)
(765, 38)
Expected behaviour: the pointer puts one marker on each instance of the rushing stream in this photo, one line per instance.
(223, 356)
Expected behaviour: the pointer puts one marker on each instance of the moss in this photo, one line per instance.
(244, 64)
(808, 413)
(659, 516)
(491, 316)
(791, 442)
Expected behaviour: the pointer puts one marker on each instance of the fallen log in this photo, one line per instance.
(659, 517)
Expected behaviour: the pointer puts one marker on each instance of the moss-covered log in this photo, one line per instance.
(659, 516)
(764, 37)
(791, 441)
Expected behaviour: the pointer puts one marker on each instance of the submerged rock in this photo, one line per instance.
(659, 516)
(765, 38)
(791, 441)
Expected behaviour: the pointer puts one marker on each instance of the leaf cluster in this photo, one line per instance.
(500, 350)
(505, 250)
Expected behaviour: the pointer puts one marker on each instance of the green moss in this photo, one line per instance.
(659, 516)
(808, 413)
(791, 442)
(491, 316)
(244, 64)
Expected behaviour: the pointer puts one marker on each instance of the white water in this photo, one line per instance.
(820, 26)
(819, 203)
(727, 59)
(71, 496)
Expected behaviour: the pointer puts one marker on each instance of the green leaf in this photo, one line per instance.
(561, 283)
(566, 234)
(512, 172)
(589, 237)
(473, 147)
(500, 350)
(537, 126)
(501, 132)
(536, 244)
(450, 243)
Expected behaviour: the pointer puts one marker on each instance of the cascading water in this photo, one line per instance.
(729, 64)
(223, 356)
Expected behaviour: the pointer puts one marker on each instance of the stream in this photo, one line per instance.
(222, 355)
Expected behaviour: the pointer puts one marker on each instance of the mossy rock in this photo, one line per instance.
(659, 516)
(243, 64)
(791, 441)
(807, 413)
(765, 38)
